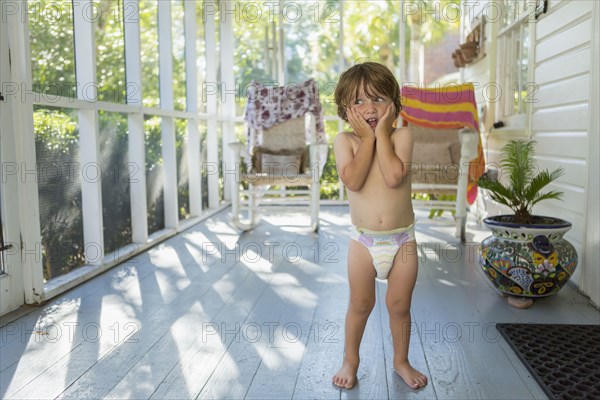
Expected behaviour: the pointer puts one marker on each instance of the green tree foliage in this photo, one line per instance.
(116, 173)
(149, 52)
(154, 172)
(178, 49)
(110, 43)
(52, 57)
(59, 180)
(55, 130)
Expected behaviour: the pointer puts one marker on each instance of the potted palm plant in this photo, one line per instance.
(527, 256)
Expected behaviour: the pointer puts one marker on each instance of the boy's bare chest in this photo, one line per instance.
(374, 177)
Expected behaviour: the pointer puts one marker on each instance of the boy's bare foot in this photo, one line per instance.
(411, 376)
(346, 376)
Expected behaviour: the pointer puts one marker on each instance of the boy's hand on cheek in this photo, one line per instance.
(385, 126)
(361, 128)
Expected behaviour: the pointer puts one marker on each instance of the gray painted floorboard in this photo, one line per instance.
(215, 314)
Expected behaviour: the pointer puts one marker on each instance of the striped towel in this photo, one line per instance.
(451, 107)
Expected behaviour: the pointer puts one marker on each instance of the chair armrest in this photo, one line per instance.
(239, 149)
(317, 151)
(317, 157)
(318, 145)
(469, 139)
(240, 154)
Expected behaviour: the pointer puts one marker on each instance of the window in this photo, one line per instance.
(123, 36)
(149, 52)
(52, 50)
(110, 42)
(59, 176)
(514, 44)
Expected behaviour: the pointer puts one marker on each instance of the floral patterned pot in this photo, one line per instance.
(532, 260)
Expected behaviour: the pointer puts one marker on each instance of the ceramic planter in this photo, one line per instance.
(527, 260)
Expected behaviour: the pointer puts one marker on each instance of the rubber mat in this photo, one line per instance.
(563, 359)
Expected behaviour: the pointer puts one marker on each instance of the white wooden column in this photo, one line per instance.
(229, 94)
(210, 95)
(191, 90)
(91, 188)
(165, 54)
(282, 64)
(341, 67)
(401, 45)
(591, 258)
(24, 146)
(135, 123)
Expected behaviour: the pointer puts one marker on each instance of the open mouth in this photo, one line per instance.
(372, 122)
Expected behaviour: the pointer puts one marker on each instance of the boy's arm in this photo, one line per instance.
(394, 151)
(353, 169)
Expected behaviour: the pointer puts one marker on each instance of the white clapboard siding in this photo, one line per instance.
(560, 118)
(569, 143)
(568, 91)
(555, 3)
(569, 13)
(564, 71)
(564, 41)
(574, 169)
(576, 232)
(561, 68)
(567, 118)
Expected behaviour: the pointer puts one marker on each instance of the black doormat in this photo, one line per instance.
(563, 359)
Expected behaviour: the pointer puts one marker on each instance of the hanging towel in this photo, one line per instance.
(451, 107)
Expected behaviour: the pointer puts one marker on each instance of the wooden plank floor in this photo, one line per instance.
(212, 314)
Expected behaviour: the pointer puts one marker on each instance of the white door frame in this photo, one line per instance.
(11, 277)
(23, 279)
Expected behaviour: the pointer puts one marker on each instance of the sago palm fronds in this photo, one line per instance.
(523, 188)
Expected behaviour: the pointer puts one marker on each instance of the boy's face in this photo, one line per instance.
(371, 108)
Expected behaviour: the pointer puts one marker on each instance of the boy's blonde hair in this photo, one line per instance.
(372, 77)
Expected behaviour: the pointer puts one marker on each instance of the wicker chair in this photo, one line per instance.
(280, 160)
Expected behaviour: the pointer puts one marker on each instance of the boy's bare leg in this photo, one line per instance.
(361, 277)
(401, 282)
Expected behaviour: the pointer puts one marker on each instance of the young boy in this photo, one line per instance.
(373, 163)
